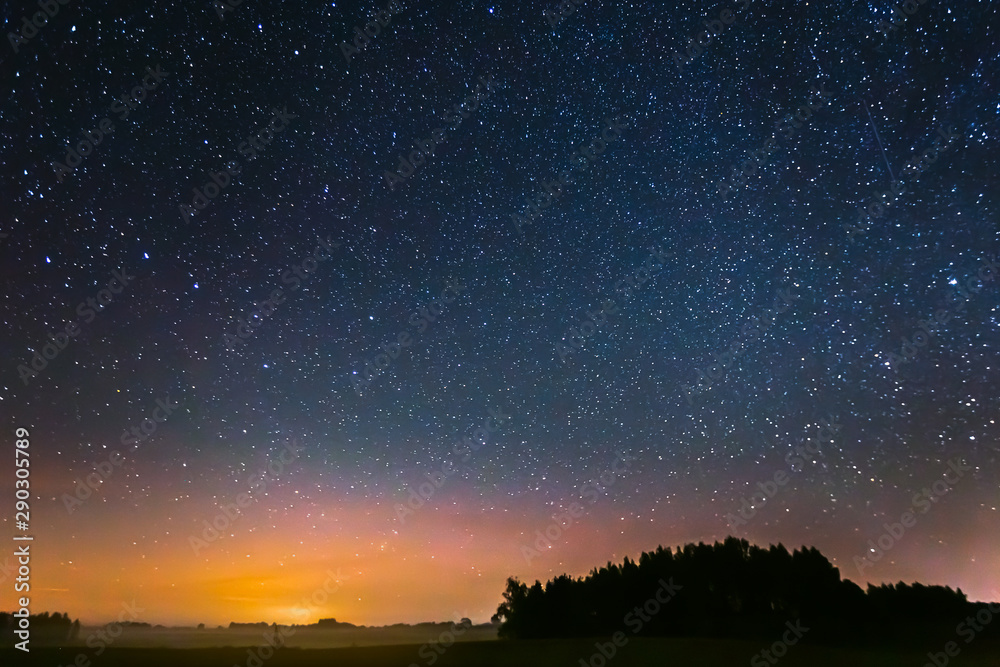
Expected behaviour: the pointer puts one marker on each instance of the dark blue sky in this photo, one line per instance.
(704, 205)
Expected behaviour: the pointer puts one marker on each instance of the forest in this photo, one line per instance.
(727, 589)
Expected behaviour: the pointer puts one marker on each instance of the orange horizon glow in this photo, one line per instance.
(447, 561)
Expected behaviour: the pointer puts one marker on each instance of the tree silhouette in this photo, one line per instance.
(46, 630)
(728, 589)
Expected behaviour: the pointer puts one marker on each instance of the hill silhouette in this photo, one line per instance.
(729, 589)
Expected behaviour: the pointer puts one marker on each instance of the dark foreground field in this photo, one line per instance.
(527, 653)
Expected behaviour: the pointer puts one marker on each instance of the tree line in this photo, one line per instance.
(727, 589)
(45, 629)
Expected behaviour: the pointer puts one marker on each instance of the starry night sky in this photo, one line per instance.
(714, 259)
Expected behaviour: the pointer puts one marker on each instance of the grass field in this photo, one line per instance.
(527, 653)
